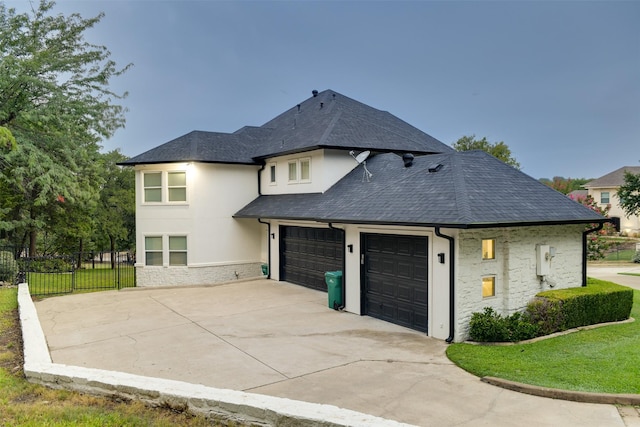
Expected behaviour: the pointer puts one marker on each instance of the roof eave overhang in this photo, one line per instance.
(427, 224)
(167, 162)
(343, 148)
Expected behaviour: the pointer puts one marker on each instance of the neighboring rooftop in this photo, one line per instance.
(612, 179)
(326, 120)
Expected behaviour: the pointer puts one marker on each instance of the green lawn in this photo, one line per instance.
(602, 360)
(84, 280)
(622, 255)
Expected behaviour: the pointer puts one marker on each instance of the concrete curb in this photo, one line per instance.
(554, 393)
(213, 402)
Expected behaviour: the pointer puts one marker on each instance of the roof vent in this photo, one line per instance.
(321, 105)
(298, 108)
(407, 158)
(314, 93)
(435, 167)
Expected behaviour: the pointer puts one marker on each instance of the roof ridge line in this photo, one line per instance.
(329, 128)
(460, 189)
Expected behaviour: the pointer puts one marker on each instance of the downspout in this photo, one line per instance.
(260, 180)
(584, 251)
(344, 266)
(268, 246)
(452, 292)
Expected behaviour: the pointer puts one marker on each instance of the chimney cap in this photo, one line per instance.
(314, 93)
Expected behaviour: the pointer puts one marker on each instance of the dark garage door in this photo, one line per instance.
(307, 253)
(395, 279)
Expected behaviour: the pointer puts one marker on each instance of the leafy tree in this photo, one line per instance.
(597, 244)
(115, 216)
(629, 194)
(565, 185)
(500, 150)
(55, 100)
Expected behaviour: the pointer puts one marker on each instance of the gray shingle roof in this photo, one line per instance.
(328, 120)
(470, 189)
(612, 179)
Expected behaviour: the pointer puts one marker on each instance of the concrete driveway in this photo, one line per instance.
(280, 339)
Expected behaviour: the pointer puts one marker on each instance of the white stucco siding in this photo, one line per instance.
(326, 168)
(514, 268)
(628, 224)
(218, 246)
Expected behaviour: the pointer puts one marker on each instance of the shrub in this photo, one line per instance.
(546, 314)
(490, 326)
(598, 302)
(636, 257)
(8, 267)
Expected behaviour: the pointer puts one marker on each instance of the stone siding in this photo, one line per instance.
(514, 268)
(196, 275)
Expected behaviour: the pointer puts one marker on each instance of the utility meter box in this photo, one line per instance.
(543, 260)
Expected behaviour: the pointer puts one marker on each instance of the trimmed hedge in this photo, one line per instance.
(554, 311)
(598, 302)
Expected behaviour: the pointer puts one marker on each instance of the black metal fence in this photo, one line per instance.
(61, 274)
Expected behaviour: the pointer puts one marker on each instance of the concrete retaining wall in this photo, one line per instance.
(211, 402)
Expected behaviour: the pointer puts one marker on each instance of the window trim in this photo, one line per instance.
(164, 187)
(485, 255)
(308, 161)
(170, 187)
(145, 188)
(293, 163)
(492, 280)
(273, 173)
(185, 251)
(160, 251)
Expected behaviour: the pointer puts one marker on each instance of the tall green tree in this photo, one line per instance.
(115, 216)
(564, 185)
(56, 101)
(629, 194)
(500, 150)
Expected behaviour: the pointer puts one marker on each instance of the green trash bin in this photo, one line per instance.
(334, 288)
(265, 269)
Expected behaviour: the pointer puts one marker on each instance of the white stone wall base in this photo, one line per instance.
(198, 275)
(211, 402)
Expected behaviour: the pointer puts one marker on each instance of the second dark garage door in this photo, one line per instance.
(307, 253)
(394, 279)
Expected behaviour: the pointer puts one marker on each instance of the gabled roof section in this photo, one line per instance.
(326, 120)
(613, 179)
(206, 147)
(332, 120)
(462, 190)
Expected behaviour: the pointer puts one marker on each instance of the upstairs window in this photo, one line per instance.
(305, 170)
(272, 172)
(177, 185)
(604, 198)
(152, 187)
(167, 187)
(293, 171)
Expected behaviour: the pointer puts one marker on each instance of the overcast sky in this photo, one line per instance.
(557, 81)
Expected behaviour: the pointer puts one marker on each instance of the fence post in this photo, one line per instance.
(118, 267)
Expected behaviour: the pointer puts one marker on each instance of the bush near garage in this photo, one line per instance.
(599, 302)
(555, 311)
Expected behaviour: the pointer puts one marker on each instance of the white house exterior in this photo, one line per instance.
(604, 192)
(423, 236)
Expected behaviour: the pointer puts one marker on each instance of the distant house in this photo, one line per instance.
(424, 235)
(604, 189)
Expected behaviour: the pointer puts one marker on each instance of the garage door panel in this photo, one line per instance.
(306, 253)
(395, 276)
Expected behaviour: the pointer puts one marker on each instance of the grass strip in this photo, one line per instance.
(602, 360)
